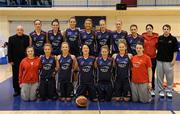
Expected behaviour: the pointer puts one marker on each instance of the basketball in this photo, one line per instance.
(81, 101)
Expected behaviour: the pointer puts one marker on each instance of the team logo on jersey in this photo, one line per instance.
(86, 68)
(55, 43)
(39, 43)
(137, 64)
(107, 36)
(76, 33)
(169, 41)
(52, 38)
(69, 33)
(103, 42)
(42, 37)
(84, 37)
(34, 38)
(47, 66)
(133, 46)
(88, 42)
(65, 66)
(99, 36)
(72, 38)
(122, 65)
(104, 68)
(51, 61)
(115, 35)
(122, 37)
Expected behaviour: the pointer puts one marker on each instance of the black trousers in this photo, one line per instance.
(105, 91)
(47, 89)
(122, 88)
(15, 71)
(87, 90)
(66, 89)
(153, 61)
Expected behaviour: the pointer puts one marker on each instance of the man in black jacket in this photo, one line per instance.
(17, 45)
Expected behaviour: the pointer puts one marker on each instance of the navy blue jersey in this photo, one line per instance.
(89, 39)
(103, 38)
(133, 41)
(116, 36)
(122, 64)
(104, 70)
(55, 41)
(47, 66)
(86, 69)
(72, 37)
(38, 42)
(65, 72)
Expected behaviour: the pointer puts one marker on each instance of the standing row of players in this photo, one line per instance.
(94, 39)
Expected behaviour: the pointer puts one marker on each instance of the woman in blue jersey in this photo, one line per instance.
(103, 36)
(68, 64)
(104, 65)
(55, 37)
(49, 67)
(38, 38)
(118, 34)
(86, 75)
(133, 39)
(87, 37)
(122, 65)
(72, 37)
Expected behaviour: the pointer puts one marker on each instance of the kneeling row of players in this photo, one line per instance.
(100, 78)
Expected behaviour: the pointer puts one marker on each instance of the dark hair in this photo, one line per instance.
(133, 25)
(36, 21)
(29, 48)
(55, 20)
(150, 26)
(167, 25)
(140, 43)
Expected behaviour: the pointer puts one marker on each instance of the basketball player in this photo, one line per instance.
(103, 36)
(122, 66)
(104, 65)
(87, 37)
(38, 38)
(86, 75)
(72, 37)
(68, 64)
(55, 37)
(49, 66)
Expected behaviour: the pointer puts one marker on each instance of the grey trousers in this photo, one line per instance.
(164, 69)
(28, 91)
(140, 92)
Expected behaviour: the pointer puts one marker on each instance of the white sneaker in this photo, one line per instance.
(169, 94)
(152, 93)
(161, 94)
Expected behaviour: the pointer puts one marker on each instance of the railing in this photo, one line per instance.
(85, 3)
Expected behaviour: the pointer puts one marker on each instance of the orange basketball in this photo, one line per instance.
(81, 101)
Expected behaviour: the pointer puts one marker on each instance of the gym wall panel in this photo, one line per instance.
(11, 17)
